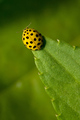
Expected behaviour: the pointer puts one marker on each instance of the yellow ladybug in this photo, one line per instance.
(32, 39)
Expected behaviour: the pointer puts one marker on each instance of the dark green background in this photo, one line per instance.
(22, 94)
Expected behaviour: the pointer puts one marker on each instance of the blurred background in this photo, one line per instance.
(22, 94)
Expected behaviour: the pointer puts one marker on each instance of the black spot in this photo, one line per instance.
(24, 34)
(42, 40)
(29, 30)
(27, 37)
(41, 46)
(24, 31)
(26, 42)
(27, 33)
(34, 39)
(31, 42)
(38, 43)
(34, 47)
(36, 35)
(30, 46)
(39, 34)
(31, 34)
(39, 39)
(23, 38)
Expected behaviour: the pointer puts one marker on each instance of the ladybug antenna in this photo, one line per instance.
(29, 24)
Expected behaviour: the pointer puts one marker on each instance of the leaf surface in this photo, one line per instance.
(59, 67)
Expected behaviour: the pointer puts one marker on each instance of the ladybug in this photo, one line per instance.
(32, 39)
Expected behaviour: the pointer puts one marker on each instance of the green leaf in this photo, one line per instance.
(59, 66)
